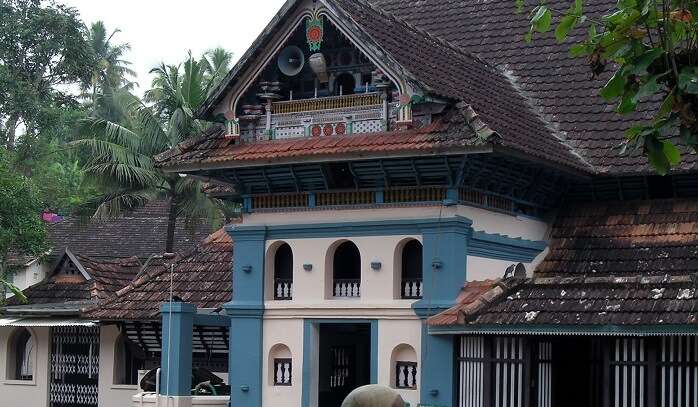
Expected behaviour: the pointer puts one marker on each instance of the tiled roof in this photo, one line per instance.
(621, 263)
(140, 233)
(202, 276)
(558, 85)
(212, 148)
(106, 277)
(490, 100)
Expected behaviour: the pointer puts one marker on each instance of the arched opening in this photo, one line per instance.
(129, 359)
(283, 273)
(21, 355)
(404, 367)
(411, 278)
(345, 84)
(346, 271)
(280, 366)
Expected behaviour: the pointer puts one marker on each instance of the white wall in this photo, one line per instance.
(32, 393)
(28, 276)
(288, 332)
(110, 394)
(483, 220)
(391, 334)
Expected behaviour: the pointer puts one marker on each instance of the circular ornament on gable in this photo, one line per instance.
(316, 131)
(340, 129)
(328, 130)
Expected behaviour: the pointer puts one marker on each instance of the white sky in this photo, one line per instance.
(164, 30)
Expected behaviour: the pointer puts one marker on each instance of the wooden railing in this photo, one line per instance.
(347, 288)
(280, 201)
(345, 198)
(415, 195)
(412, 288)
(283, 289)
(334, 102)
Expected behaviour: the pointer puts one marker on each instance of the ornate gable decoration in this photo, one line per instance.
(314, 32)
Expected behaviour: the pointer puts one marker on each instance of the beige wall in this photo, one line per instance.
(26, 393)
(110, 394)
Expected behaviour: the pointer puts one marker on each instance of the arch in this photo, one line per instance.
(21, 355)
(280, 365)
(343, 270)
(279, 272)
(404, 367)
(129, 358)
(408, 282)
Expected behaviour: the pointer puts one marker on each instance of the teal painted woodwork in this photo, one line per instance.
(176, 355)
(310, 328)
(245, 311)
(437, 381)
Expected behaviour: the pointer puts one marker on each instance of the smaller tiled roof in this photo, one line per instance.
(202, 276)
(146, 229)
(447, 134)
(104, 278)
(609, 263)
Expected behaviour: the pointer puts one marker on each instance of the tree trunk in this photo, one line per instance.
(171, 226)
(10, 130)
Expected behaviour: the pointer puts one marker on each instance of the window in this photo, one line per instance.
(411, 286)
(20, 357)
(346, 270)
(404, 364)
(281, 366)
(283, 273)
(129, 358)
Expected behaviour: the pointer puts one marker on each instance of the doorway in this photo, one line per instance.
(344, 361)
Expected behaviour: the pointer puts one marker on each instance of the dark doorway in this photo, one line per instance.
(574, 372)
(345, 361)
(345, 84)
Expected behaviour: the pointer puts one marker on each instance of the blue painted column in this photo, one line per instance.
(246, 311)
(445, 253)
(176, 355)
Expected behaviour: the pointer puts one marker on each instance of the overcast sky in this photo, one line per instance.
(164, 30)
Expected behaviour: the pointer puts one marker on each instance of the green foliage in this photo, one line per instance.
(119, 150)
(21, 228)
(42, 45)
(652, 46)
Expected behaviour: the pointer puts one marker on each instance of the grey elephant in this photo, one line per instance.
(373, 395)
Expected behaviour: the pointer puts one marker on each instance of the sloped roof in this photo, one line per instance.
(438, 67)
(618, 263)
(559, 86)
(101, 279)
(202, 276)
(140, 233)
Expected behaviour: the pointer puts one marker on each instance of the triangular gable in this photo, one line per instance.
(69, 266)
(423, 69)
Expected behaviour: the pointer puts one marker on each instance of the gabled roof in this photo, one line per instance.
(560, 86)
(621, 263)
(438, 68)
(202, 276)
(139, 233)
(96, 280)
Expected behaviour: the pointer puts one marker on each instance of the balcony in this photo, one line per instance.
(327, 116)
(347, 288)
(412, 289)
(283, 289)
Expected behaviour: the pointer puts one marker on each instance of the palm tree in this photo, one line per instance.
(121, 149)
(109, 68)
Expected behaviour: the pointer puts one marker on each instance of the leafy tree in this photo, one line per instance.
(21, 228)
(42, 46)
(109, 69)
(121, 149)
(652, 47)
